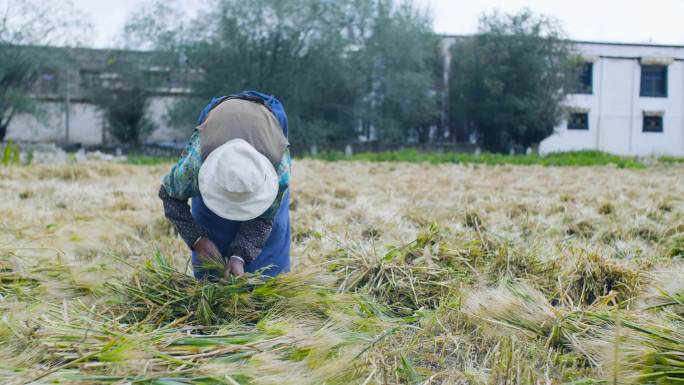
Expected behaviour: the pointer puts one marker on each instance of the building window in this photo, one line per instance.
(578, 121)
(90, 78)
(654, 81)
(653, 123)
(585, 84)
(47, 83)
(158, 77)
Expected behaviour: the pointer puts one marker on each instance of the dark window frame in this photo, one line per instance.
(659, 126)
(578, 125)
(585, 81)
(89, 78)
(47, 82)
(654, 79)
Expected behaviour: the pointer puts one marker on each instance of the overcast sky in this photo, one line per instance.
(639, 21)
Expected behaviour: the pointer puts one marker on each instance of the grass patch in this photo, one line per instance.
(573, 158)
(148, 160)
(449, 275)
(669, 160)
(560, 159)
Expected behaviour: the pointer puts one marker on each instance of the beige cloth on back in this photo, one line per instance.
(243, 119)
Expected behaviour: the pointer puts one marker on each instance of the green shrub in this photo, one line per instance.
(11, 154)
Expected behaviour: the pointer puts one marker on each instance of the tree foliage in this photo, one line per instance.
(122, 93)
(334, 64)
(508, 81)
(150, 61)
(155, 26)
(18, 73)
(401, 67)
(26, 27)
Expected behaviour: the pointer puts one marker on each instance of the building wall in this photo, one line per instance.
(48, 127)
(86, 124)
(616, 109)
(157, 112)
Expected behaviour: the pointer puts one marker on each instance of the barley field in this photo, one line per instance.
(403, 273)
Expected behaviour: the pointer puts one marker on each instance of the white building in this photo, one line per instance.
(69, 115)
(630, 102)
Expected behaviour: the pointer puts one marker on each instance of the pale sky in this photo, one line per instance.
(637, 21)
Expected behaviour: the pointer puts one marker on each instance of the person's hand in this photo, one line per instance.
(207, 251)
(236, 267)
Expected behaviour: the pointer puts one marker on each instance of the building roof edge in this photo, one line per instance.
(616, 43)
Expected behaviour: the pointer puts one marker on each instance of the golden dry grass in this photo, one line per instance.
(584, 237)
(87, 210)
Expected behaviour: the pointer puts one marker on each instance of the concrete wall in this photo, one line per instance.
(48, 127)
(616, 108)
(157, 110)
(86, 124)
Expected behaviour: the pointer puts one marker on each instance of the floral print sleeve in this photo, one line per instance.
(283, 170)
(178, 186)
(181, 182)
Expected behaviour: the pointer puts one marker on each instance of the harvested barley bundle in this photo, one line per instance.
(525, 309)
(17, 347)
(509, 262)
(631, 348)
(410, 277)
(666, 292)
(589, 278)
(91, 349)
(436, 265)
(42, 279)
(638, 350)
(159, 293)
(162, 325)
(16, 284)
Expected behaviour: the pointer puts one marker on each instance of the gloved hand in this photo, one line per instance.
(236, 267)
(207, 251)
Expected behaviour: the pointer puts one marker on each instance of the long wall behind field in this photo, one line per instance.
(87, 125)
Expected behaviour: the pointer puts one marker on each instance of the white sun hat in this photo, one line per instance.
(237, 182)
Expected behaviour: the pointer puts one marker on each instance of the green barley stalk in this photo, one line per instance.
(633, 348)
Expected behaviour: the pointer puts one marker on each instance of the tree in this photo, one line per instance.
(18, 74)
(289, 48)
(26, 28)
(508, 82)
(122, 91)
(156, 26)
(401, 67)
(150, 60)
(333, 63)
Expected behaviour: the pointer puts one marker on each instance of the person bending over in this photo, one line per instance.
(236, 170)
